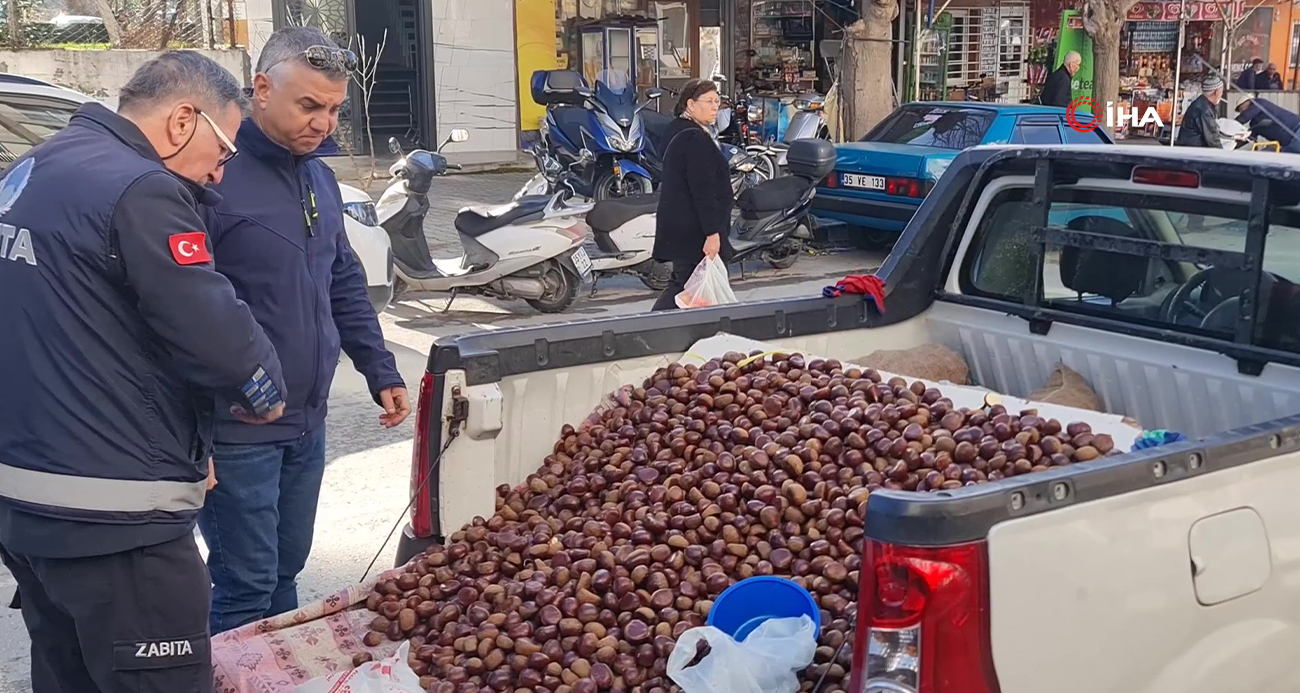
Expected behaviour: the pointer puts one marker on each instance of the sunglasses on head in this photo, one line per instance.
(330, 57)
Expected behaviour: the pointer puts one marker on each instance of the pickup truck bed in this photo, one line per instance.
(1168, 569)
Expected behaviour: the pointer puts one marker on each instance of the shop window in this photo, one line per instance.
(1193, 298)
(593, 55)
(963, 39)
(1011, 48)
(674, 40)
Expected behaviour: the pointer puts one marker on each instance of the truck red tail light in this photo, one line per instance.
(923, 621)
(905, 187)
(1166, 177)
(421, 509)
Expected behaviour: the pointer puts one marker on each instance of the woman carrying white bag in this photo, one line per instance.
(695, 199)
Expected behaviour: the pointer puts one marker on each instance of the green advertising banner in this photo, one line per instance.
(1073, 37)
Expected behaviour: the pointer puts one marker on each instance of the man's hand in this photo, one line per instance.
(244, 415)
(396, 406)
(212, 475)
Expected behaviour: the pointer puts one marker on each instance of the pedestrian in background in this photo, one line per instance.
(1058, 90)
(1269, 80)
(279, 236)
(1270, 121)
(1249, 79)
(1200, 126)
(118, 332)
(695, 197)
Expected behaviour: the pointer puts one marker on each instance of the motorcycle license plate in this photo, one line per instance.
(853, 180)
(582, 262)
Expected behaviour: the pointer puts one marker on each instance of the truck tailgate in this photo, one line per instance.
(1102, 596)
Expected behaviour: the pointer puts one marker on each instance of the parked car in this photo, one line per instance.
(880, 181)
(32, 110)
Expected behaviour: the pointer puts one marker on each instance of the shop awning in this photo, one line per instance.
(1197, 10)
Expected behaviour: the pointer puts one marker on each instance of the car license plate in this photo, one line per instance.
(582, 262)
(853, 180)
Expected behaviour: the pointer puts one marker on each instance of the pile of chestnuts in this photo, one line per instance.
(748, 465)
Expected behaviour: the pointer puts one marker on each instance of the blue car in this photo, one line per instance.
(880, 181)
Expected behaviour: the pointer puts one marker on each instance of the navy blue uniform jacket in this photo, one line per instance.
(278, 235)
(1283, 126)
(116, 334)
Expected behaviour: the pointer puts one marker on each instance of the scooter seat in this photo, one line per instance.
(607, 215)
(476, 221)
(772, 195)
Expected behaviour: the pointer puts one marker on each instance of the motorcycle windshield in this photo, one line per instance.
(616, 94)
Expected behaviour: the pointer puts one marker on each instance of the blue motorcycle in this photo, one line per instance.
(597, 135)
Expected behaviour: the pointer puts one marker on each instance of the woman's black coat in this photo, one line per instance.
(694, 195)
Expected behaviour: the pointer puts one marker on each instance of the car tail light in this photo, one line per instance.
(923, 621)
(422, 509)
(833, 180)
(1166, 177)
(905, 187)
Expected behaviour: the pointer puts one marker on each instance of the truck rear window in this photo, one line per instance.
(946, 127)
(1194, 297)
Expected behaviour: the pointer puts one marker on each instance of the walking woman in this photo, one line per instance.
(695, 194)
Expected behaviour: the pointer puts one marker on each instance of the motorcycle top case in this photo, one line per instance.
(557, 87)
(810, 158)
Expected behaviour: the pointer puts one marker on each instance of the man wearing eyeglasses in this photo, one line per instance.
(278, 235)
(117, 333)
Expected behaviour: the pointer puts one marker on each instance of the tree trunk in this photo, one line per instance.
(1103, 20)
(15, 25)
(868, 94)
(111, 26)
(1105, 72)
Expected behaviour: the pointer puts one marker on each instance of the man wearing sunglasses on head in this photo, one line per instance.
(278, 235)
(118, 336)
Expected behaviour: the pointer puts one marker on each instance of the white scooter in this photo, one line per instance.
(530, 249)
(624, 233)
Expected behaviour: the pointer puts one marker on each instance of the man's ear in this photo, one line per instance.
(261, 88)
(181, 123)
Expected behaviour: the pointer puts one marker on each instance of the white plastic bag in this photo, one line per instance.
(767, 661)
(708, 285)
(391, 675)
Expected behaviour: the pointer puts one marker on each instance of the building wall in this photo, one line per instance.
(101, 73)
(475, 83)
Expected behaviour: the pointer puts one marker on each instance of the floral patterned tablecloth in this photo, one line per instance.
(278, 654)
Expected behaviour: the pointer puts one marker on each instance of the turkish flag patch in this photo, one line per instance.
(190, 248)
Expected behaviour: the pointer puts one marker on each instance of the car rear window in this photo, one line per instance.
(947, 127)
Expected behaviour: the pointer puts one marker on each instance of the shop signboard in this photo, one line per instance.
(1197, 10)
(1074, 37)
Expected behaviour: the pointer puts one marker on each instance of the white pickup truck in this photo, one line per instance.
(1165, 277)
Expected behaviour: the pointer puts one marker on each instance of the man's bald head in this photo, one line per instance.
(1072, 61)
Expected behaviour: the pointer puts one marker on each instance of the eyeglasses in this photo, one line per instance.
(229, 146)
(330, 57)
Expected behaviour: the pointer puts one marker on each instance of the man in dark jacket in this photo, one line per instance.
(1269, 80)
(118, 330)
(1058, 90)
(281, 241)
(1200, 126)
(1249, 79)
(1270, 121)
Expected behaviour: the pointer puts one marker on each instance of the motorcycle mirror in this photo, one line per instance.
(459, 135)
(585, 154)
(584, 92)
(393, 146)
(654, 93)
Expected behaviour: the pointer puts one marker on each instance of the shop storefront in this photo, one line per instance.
(976, 48)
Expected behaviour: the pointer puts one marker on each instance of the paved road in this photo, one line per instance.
(366, 482)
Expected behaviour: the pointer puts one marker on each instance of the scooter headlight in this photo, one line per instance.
(622, 144)
(363, 212)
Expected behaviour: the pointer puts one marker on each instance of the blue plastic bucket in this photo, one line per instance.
(744, 605)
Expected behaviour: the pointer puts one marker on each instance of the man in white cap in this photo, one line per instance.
(1200, 127)
(1270, 121)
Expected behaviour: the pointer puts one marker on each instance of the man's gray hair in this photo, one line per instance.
(1072, 57)
(181, 75)
(289, 46)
